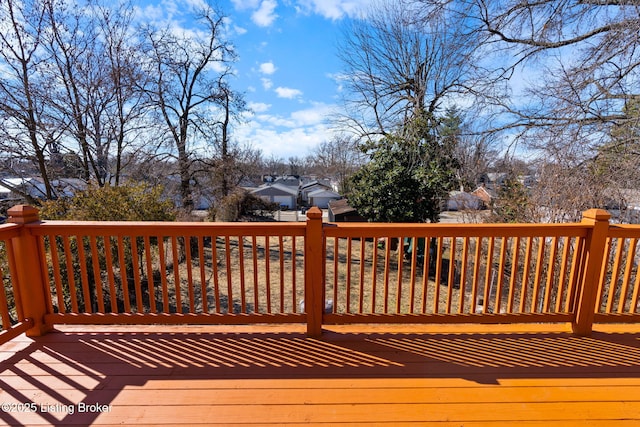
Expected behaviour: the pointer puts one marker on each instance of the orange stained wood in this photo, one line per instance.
(447, 375)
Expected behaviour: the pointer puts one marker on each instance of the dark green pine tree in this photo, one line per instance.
(408, 176)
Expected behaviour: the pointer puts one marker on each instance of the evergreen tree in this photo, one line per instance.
(408, 175)
(512, 204)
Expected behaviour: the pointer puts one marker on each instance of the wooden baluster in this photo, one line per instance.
(627, 275)
(163, 275)
(361, 295)
(294, 267)
(514, 272)
(243, 297)
(281, 259)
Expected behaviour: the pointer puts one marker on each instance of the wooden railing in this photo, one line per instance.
(13, 320)
(314, 273)
(175, 273)
(619, 285)
(456, 273)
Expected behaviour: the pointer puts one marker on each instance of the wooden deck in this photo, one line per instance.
(456, 375)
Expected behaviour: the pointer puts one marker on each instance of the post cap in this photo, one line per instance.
(23, 214)
(314, 213)
(596, 214)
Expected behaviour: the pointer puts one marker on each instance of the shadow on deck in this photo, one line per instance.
(191, 375)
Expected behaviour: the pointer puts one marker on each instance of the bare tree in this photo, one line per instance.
(94, 63)
(573, 66)
(572, 70)
(338, 158)
(475, 152)
(398, 67)
(230, 158)
(119, 120)
(24, 130)
(186, 70)
(71, 106)
(275, 166)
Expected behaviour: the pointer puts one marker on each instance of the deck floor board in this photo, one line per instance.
(473, 375)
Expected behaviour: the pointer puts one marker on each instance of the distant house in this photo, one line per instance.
(5, 193)
(310, 187)
(283, 195)
(484, 194)
(322, 197)
(341, 211)
(462, 201)
(248, 184)
(69, 186)
(35, 187)
(493, 180)
(292, 181)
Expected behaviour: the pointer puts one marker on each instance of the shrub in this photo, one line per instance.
(241, 203)
(130, 202)
(513, 204)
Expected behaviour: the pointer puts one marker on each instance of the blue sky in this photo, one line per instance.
(288, 68)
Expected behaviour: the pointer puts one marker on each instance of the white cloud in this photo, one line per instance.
(245, 4)
(288, 93)
(266, 83)
(267, 68)
(312, 116)
(283, 136)
(259, 107)
(197, 4)
(284, 144)
(334, 9)
(265, 14)
(276, 121)
(151, 13)
(239, 30)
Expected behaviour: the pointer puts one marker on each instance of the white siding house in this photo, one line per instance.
(283, 195)
(322, 197)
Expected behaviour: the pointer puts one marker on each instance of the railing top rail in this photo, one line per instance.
(454, 230)
(624, 230)
(152, 228)
(8, 231)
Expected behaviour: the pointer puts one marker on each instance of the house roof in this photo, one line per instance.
(484, 194)
(323, 192)
(460, 200)
(289, 181)
(34, 186)
(271, 188)
(340, 207)
(462, 195)
(315, 183)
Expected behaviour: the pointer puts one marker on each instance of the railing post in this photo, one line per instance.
(598, 222)
(28, 264)
(313, 268)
